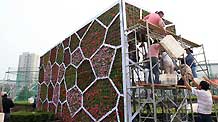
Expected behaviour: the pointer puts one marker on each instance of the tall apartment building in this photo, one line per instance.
(27, 73)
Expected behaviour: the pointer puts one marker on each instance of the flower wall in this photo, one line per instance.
(80, 79)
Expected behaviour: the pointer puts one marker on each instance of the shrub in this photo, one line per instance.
(32, 117)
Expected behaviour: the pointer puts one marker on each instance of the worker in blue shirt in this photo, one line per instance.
(190, 61)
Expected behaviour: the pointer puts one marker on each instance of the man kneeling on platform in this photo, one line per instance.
(186, 74)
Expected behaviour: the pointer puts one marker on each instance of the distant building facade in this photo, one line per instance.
(27, 73)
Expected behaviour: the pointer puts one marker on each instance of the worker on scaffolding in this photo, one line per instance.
(155, 18)
(167, 63)
(190, 61)
(204, 99)
(153, 52)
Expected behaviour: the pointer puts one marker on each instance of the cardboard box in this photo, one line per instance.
(172, 47)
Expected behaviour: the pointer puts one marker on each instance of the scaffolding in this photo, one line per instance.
(21, 82)
(155, 102)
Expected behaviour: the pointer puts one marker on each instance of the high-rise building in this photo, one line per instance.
(27, 74)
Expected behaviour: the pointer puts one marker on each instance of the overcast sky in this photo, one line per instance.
(36, 26)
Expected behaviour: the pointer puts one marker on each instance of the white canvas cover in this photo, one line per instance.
(172, 47)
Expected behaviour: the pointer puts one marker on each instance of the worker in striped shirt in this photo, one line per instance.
(204, 99)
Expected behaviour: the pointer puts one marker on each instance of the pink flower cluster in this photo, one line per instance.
(56, 94)
(74, 98)
(77, 57)
(102, 61)
(61, 73)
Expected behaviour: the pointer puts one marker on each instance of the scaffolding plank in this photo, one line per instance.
(158, 86)
(159, 30)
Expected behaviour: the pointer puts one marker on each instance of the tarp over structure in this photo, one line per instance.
(81, 78)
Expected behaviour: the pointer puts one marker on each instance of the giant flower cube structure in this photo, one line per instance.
(80, 78)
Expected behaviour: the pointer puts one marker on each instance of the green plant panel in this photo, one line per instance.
(113, 34)
(144, 13)
(67, 57)
(62, 91)
(56, 94)
(51, 107)
(66, 113)
(102, 61)
(66, 42)
(50, 92)
(116, 71)
(61, 72)
(70, 76)
(54, 74)
(121, 109)
(60, 54)
(132, 15)
(111, 118)
(77, 57)
(82, 31)
(74, 42)
(28, 116)
(43, 92)
(93, 39)
(74, 99)
(85, 75)
(108, 16)
(100, 98)
(81, 116)
(41, 74)
(46, 58)
(53, 55)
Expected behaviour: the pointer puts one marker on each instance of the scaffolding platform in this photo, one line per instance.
(158, 86)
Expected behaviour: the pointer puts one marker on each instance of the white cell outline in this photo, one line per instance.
(89, 114)
(107, 114)
(90, 24)
(102, 24)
